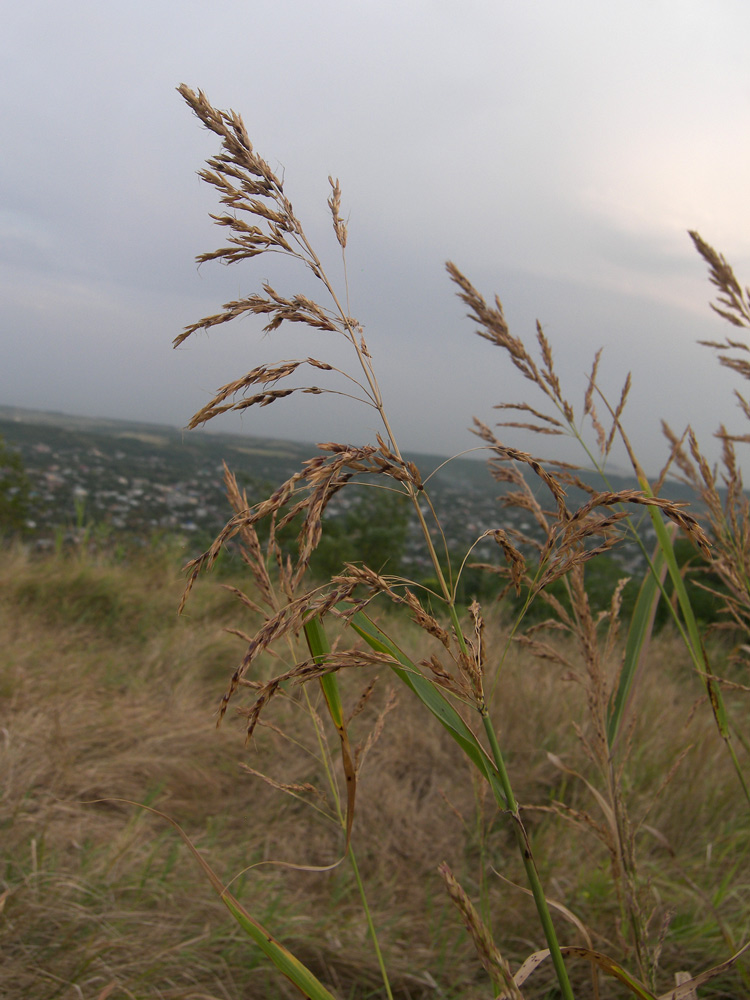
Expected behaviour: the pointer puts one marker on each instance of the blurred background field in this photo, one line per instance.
(106, 694)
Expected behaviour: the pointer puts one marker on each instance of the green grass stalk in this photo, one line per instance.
(532, 874)
(320, 648)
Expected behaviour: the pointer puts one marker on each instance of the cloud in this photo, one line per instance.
(557, 152)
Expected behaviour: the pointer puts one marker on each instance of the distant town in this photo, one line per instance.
(142, 479)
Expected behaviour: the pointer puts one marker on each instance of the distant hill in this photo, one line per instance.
(142, 477)
(19, 425)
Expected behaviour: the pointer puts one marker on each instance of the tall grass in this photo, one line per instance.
(102, 895)
(435, 799)
(460, 675)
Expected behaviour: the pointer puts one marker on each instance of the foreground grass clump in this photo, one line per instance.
(456, 664)
(99, 895)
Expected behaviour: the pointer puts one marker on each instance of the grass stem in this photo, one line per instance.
(524, 846)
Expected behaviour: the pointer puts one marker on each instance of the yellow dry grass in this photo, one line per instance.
(100, 893)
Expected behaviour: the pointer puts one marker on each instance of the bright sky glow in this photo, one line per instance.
(557, 152)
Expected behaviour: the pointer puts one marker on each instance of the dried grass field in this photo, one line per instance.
(105, 694)
(420, 787)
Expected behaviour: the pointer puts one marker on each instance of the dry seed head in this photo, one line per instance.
(492, 325)
(243, 599)
(674, 511)
(567, 560)
(544, 650)
(617, 414)
(377, 730)
(616, 603)
(298, 309)
(515, 560)
(734, 300)
(491, 959)
(423, 619)
(444, 678)
(588, 400)
(743, 404)
(291, 788)
(708, 477)
(334, 203)
(562, 619)
(477, 648)
(290, 618)
(549, 375)
(360, 575)
(362, 700)
(307, 670)
(555, 426)
(519, 425)
(267, 374)
(471, 676)
(584, 819)
(246, 183)
(308, 491)
(677, 455)
(505, 454)
(571, 479)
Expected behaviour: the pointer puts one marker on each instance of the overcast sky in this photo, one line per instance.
(556, 150)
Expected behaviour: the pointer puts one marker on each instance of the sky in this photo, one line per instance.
(558, 152)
